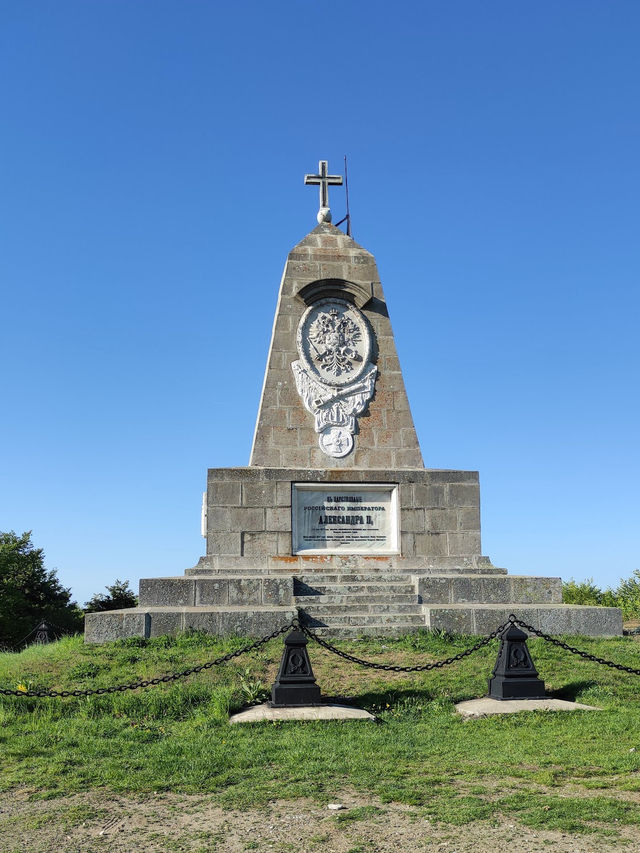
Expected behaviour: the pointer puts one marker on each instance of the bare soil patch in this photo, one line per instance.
(87, 823)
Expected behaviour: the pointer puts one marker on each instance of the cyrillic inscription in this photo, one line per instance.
(347, 518)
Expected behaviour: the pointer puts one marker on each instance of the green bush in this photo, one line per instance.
(581, 592)
(30, 593)
(626, 596)
(120, 596)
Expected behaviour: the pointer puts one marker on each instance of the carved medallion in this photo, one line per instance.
(336, 442)
(334, 341)
(334, 376)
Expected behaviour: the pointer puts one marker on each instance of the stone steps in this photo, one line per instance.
(355, 578)
(356, 621)
(354, 604)
(302, 589)
(355, 599)
(373, 630)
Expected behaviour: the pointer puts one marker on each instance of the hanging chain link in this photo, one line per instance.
(163, 679)
(423, 667)
(296, 625)
(572, 649)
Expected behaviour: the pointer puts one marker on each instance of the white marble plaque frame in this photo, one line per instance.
(345, 518)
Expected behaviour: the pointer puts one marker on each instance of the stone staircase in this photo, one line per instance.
(349, 604)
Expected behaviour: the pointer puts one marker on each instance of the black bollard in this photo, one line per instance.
(295, 683)
(43, 633)
(514, 675)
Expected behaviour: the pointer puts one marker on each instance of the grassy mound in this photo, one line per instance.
(175, 737)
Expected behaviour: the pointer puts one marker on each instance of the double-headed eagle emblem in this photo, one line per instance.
(334, 376)
(334, 338)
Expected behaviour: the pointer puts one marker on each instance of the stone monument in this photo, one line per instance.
(335, 517)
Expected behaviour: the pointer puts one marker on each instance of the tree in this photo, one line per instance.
(120, 596)
(29, 593)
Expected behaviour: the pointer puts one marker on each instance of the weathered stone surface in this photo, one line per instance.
(454, 620)
(224, 493)
(158, 592)
(260, 544)
(551, 618)
(251, 621)
(224, 542)
(211, 591)
(166, 621)
(245, 591)
(461, 589)
(114, 625)
(335, 268)
(201, 620)
(277, 591)
(573, 619)
(528, 590)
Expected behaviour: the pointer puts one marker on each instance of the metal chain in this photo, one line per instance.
(572, 649)
(296, 625)
(394, 668)
(151, 682)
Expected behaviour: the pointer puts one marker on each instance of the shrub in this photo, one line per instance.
(626, 596)
(120, 596)
(29, 593)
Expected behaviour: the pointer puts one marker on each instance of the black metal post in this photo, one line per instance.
(514, 675)
(43, 633)
(295, 683)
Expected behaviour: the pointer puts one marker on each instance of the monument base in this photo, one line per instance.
(426, 569)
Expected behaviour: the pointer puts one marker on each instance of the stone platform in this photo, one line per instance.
(350, 604)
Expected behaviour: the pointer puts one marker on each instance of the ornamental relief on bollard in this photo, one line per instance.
(334, 376)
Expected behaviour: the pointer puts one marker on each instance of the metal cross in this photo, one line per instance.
(324, 180)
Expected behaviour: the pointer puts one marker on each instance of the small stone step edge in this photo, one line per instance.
(357, 619)
(307, 570)
(354, 632)
(355, 599)
(361, 607)
(354, 589)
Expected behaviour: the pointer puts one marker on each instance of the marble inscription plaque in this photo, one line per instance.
(345, 518)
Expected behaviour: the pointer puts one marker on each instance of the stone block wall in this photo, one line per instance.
(249, 510)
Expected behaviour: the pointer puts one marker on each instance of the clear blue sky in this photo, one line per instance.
(152, 159)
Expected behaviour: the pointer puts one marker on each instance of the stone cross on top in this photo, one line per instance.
(324, 214)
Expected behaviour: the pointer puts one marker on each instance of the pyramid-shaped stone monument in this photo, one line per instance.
(336, 518)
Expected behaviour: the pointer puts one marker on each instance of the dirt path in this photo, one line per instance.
(88, 823)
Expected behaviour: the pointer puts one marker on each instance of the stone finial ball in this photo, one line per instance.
(324, 215)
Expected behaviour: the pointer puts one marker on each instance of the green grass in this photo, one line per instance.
(539, 768)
